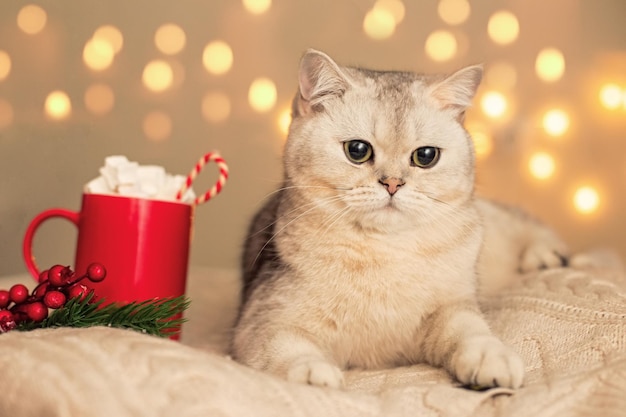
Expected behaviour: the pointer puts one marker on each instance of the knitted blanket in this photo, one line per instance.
(568, 324)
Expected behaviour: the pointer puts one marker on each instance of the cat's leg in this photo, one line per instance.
(289, 353)
(459, 339)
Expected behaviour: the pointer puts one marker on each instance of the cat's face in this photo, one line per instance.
(384, 148)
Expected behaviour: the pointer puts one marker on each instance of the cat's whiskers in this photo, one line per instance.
(333, 219)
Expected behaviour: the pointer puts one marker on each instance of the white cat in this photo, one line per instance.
(368, 255)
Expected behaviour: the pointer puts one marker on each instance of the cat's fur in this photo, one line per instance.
(375, 264)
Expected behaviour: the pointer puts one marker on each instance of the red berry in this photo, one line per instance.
(54, 299)
(40, 290)
(6, 315)
(43, 276)
(37, 311)
(78, 290)
(58, 275)
(18, 293)
(96, 272)
(7, 321)
(5, 298)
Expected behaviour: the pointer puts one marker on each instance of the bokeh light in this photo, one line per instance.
(58, 105)
(112, 35)
(158, 75)
(216, 107)
(555, 122)
(503, 27)
(395, 7)
(379, 23)
(98, 54)
(170, 39)
(217, 57)
(483, 141)
(31, 19)
(284, 120)
(501, 75)
(541, 165)
(493, 104)
(550, 65)
(157, 126)
(99, 99)
(262, 94)
(257, 6)
(611, 96)
(6, 114)
(5, 65)
(440, 45)
(454, 12)
(586, 200)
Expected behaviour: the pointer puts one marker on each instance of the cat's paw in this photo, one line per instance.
(486, 362)
(315, 372)
(543, 255)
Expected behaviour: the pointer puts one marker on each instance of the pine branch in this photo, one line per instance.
(159, 317)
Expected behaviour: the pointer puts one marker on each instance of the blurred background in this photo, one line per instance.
(163, 82)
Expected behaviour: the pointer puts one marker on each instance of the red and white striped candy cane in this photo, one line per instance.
(209, 157)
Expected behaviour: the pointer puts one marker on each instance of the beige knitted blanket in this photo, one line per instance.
(568, 324)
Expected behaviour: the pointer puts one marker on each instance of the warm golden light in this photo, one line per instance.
(550, 65)
(112, 35)
(99, 99)
(501, 75)
(262, 94)
(5, 65)
(541, 165)
(379, 23)
(170, 39)
(217, 57)
(158, 76)
(453, 12)
(503, 27)
(284, 120)
(157, 126)
(6, 114)
(441, 45)
(395, 7)
(216, 107)
(586, 200)
(31, 19)
(611, 96)
(58, 105)
(493, 104)
(98, 54)
(555, 122)
(257, 6)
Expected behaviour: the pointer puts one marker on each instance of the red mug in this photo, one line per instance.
(142, 243)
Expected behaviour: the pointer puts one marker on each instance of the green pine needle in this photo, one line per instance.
(159, 317)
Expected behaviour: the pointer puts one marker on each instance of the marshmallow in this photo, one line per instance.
(128, 178)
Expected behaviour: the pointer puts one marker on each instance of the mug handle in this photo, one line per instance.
(27, 247)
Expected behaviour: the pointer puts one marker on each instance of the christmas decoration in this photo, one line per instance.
(74, 305)
(211, 156)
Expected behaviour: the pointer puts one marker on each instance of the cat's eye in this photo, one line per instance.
(358, 151)
(426, 156)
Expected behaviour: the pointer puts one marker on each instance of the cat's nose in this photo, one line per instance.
(391, 184)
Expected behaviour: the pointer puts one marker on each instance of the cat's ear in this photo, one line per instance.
(320, 78)
(457, 90)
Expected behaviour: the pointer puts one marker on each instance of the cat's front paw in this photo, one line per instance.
(486, 362)
(315, 372)
(543, 255)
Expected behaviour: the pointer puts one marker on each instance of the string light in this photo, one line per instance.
(31, 19)
(111, 35)
(158, 76)
(441, 45)
(170, 39)
(611, 96)
(157, 126)
(98, 54)
(483, 142)
(379, 23)
(257, 6)
(284, 120)
(541, 165)
(503, 27)
(216, 107)
(395, 7)
(493, 104)
(5, 65)
(99, 99)
(555, 122)
(217, 57)
(586, 200)
(58, 105)
(550, 65)
(262, 95)
(453, 12)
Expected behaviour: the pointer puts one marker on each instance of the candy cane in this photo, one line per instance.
(209, 157)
